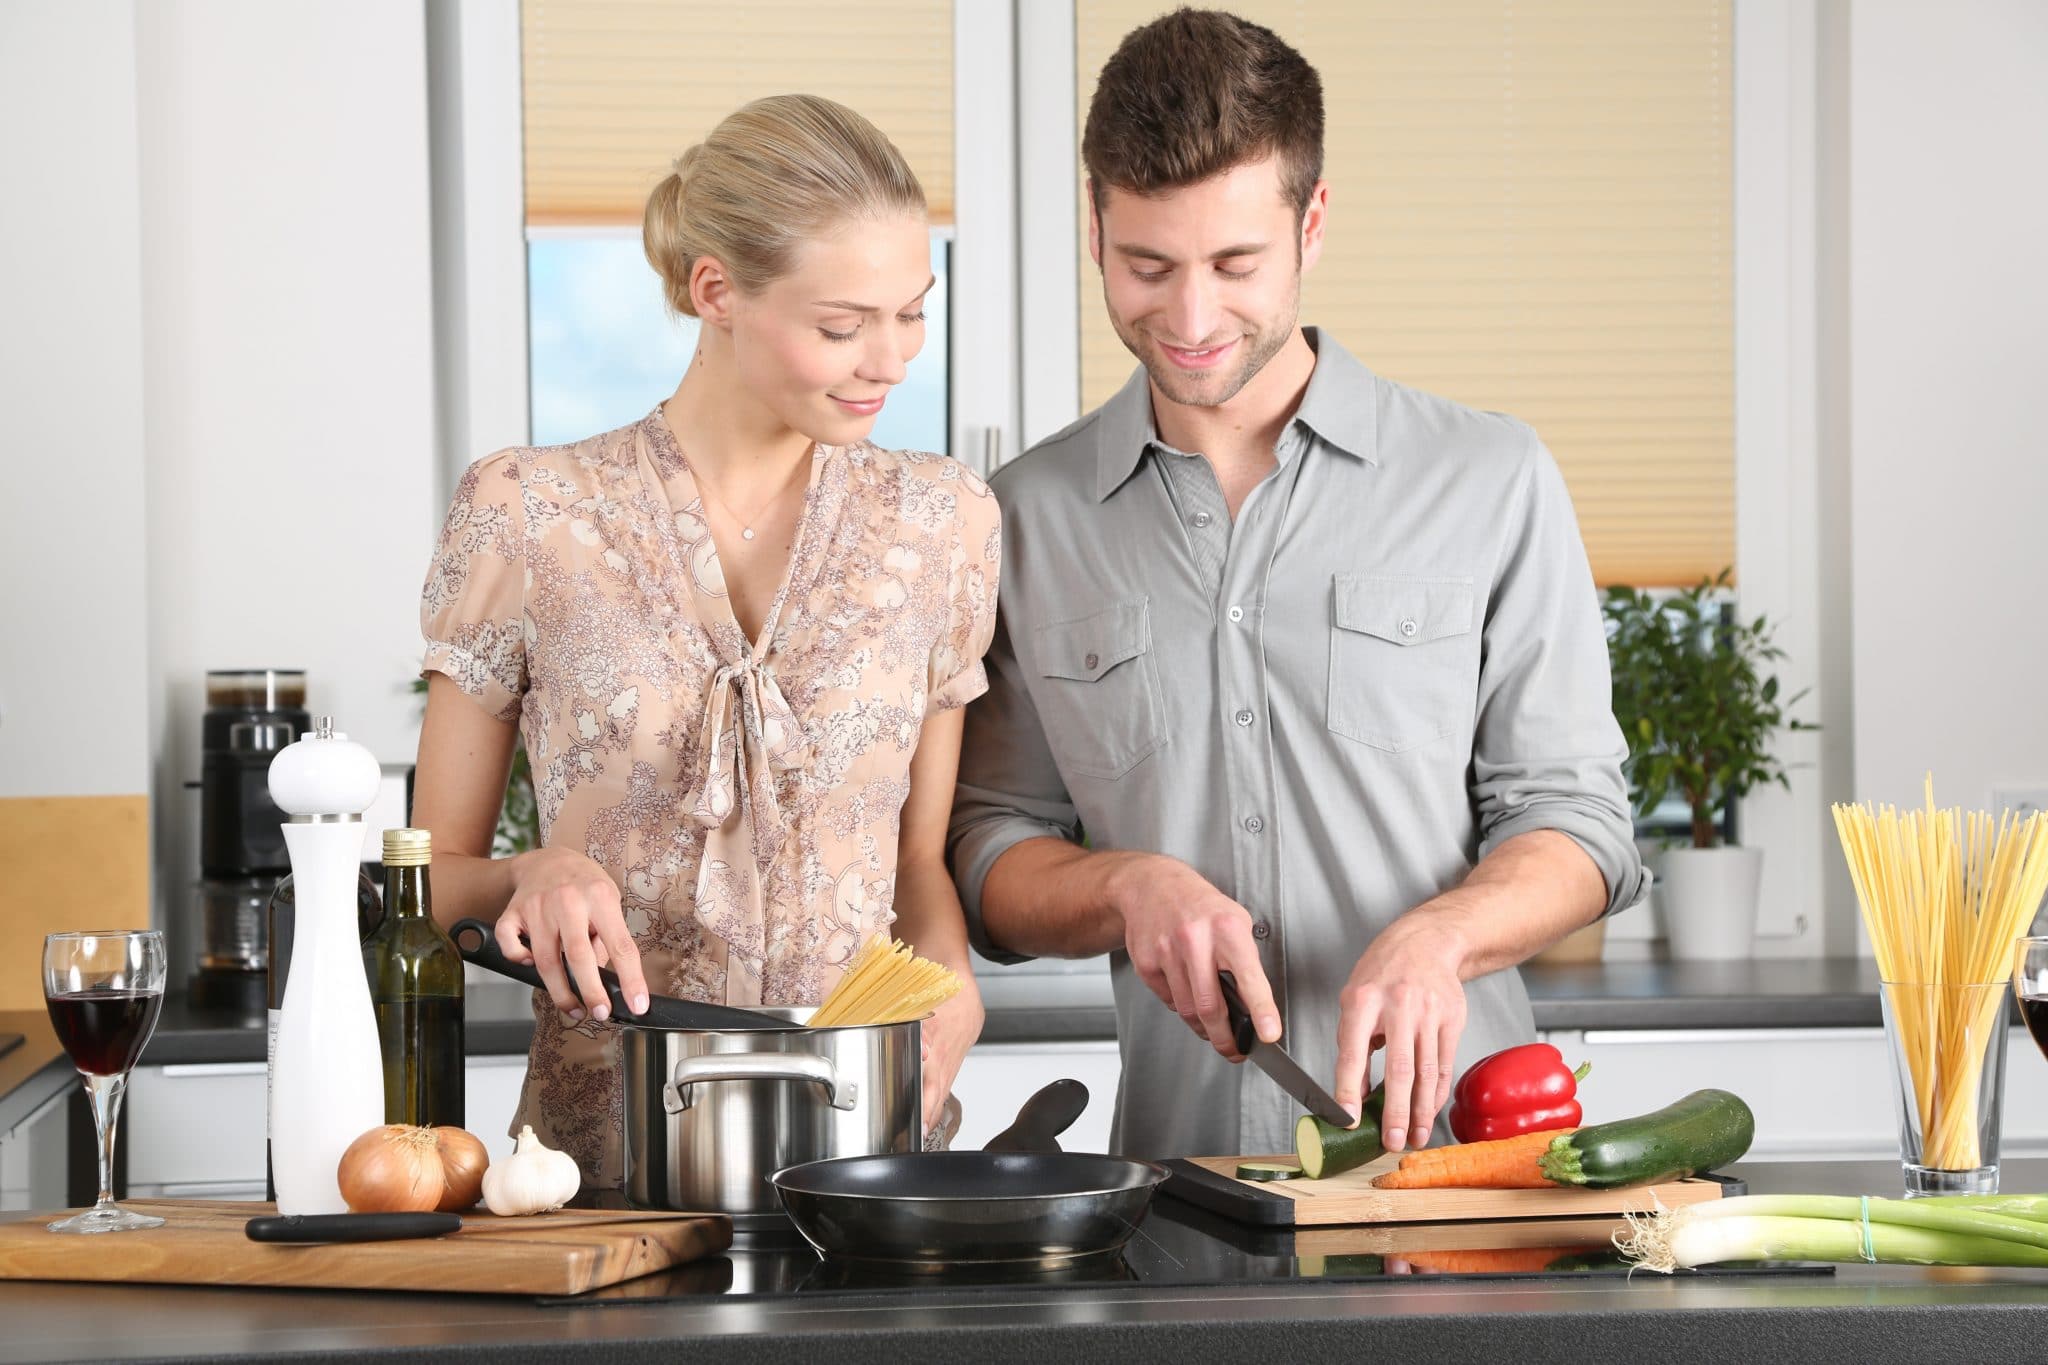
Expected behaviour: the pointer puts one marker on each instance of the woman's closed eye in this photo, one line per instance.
(905, 318)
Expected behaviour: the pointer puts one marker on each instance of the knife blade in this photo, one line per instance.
(1272, 1059)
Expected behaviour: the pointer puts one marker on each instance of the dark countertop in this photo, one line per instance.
(1792, 993)
(1857, 1313)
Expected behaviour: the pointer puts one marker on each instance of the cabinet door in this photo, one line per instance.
(997, 1078)
(490, 1095)
(32, 1156)
(196, 1130)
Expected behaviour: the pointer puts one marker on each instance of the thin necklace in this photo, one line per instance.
(746, 523)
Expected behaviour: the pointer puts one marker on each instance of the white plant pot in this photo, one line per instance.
(1709, 901)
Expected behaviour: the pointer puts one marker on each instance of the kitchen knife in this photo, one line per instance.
(1271, 1059)
(350, 1227)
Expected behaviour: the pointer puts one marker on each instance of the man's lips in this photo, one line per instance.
(1204, 358)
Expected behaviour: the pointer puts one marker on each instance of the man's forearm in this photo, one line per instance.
(1524, 896)
(1048, 898)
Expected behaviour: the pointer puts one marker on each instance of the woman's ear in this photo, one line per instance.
(711, 292)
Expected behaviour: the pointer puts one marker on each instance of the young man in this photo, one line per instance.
(1311, 660)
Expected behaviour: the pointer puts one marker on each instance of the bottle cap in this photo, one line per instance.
(408, 848)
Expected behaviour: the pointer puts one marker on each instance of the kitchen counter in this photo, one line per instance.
(1854, 1313)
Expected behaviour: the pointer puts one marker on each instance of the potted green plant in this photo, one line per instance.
(1700, 710)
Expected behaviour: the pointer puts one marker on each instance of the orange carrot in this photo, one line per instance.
(1502, 1164)
(1492, 1261)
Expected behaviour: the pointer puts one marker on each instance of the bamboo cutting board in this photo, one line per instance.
(1209, 1182)
(202, 1242)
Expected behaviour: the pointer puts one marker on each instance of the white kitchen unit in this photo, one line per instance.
(196, 1131)
(32, 1157)
(1819, 1094)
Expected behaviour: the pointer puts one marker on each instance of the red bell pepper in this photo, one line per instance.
(1525, 1089)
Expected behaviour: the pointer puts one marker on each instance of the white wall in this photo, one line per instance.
(288, 336)
(1948, 356)
(73, 653)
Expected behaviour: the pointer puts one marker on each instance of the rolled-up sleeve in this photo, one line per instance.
(1009, 789)
(1547, 752)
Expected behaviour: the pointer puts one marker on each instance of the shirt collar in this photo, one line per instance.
(1339, 406)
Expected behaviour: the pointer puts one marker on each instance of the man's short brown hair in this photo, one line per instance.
(1193, 95)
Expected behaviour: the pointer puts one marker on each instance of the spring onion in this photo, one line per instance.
(1837, 1228)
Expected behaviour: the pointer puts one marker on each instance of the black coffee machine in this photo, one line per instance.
(251, 713)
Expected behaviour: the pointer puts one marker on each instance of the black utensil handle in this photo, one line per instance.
(1043, 1118)
(1242, 1031)
(489, 955)
(350, 1227)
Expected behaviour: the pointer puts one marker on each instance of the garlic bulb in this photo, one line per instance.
(534, 1179)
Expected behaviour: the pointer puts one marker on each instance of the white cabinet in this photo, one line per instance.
(32, 1157)
(1819, 1094)
(997, 1078)
(196, 1131)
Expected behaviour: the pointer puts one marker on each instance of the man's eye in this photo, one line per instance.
(1237, 274)
(1149, 277)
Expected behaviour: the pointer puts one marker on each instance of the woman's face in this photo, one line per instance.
(822, 346)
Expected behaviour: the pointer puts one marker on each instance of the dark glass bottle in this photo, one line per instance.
(416, 989)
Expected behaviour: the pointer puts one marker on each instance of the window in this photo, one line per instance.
(613, 91)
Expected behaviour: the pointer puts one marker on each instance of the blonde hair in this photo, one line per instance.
(771, 176)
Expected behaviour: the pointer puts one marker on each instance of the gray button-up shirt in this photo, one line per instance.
(1331, 708)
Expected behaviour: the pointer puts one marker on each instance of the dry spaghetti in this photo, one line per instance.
(1945, 893)
(886, 983)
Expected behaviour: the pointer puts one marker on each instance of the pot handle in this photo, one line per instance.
(804, 1067)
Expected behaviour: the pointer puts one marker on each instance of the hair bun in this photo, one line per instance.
(680, 168)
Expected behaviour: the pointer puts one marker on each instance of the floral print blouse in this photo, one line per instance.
(745, 795)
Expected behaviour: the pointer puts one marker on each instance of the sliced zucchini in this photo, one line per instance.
(1327, 1150)
(1267, 1170)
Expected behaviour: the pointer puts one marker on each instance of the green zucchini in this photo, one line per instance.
(1706, 1129)
(1325, 1149)
(1267, 1170)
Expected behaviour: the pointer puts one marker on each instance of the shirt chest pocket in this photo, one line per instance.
(1403, 666)
(1098, 693)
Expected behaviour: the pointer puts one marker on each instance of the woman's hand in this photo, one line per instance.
(948, 1034)
(568, 907)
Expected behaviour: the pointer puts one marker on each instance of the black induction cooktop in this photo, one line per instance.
(1179, 1245)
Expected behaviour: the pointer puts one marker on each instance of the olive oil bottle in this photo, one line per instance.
(416, 990)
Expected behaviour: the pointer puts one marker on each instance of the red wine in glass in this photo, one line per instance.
(104, 1030)
(104, 991)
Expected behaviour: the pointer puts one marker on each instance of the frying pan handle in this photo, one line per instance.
(800, 1067)
(1043, 1118)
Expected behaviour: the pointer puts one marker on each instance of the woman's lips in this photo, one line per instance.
(865, 408)
(1206, 358)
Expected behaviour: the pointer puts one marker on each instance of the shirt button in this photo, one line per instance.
(1201, 519)
(1408, 626)
(1090, 661)
(1254, 824)
(1261, 930)
(1244, 718)
(1236, 613)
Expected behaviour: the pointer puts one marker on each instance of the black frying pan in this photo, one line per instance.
(1020, 1200)
(662, 1011)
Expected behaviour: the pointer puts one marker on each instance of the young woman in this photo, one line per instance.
(735, 636)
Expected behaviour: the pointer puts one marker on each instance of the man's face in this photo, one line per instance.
(1203, 283)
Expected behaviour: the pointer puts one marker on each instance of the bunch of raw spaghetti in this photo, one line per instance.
(886, 984)
(1944, 894)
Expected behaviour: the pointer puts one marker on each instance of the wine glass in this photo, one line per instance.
(2030, 986)
(104, 990)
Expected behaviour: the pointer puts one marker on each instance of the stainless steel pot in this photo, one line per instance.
(710, 1115)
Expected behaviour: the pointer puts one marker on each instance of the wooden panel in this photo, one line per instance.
(72, 862)
(566, 1252)
(1351, 1198)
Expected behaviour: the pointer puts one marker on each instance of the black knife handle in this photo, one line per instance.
(350, 1227)
(1242, 1031)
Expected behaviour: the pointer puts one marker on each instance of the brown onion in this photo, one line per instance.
(392, 1169)
(463, 1161)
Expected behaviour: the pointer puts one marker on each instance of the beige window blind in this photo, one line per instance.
(1530, 212)
(615, 89)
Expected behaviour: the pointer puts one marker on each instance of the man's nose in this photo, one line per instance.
(1192, 313)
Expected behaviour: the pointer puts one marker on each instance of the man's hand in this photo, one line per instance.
(1405, 994)
(1180, 931)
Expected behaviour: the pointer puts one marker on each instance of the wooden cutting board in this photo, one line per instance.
(1210, 1182)
(202, 1242)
